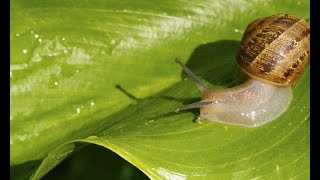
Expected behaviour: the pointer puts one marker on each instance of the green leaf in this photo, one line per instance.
(103, 72)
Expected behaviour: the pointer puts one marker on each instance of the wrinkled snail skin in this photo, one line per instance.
(273, 53)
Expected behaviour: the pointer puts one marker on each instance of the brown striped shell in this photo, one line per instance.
(275, 49)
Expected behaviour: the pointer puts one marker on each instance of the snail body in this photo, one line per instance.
(273, 53)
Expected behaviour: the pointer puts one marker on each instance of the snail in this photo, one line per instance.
(273, 53)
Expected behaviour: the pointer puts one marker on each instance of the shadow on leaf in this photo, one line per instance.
(213, 62)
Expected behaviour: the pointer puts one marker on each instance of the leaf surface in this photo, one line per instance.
(103, 73)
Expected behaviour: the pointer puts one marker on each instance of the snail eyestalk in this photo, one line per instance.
(194, 78)
(196, 105)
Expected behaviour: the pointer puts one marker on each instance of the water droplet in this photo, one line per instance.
(242, 114)
(40, 40)
(63, 39)
(236, 30)
(124, 10)
(17, 34)
(113, 41)
(91, 104)
(24, 51)
(56, 83)
(189, 17)
(36, 35)
(77, 70)
(11, 77)
(78, 110)
(31, 32)
(278, 167)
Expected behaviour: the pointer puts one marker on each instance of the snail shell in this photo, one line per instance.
(275, 49)
(273, 53)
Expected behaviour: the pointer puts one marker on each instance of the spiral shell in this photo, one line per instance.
(275, 49)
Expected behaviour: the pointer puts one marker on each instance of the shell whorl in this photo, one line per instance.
(275, 49)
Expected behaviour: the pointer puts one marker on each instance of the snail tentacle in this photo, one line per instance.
(194, 78)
